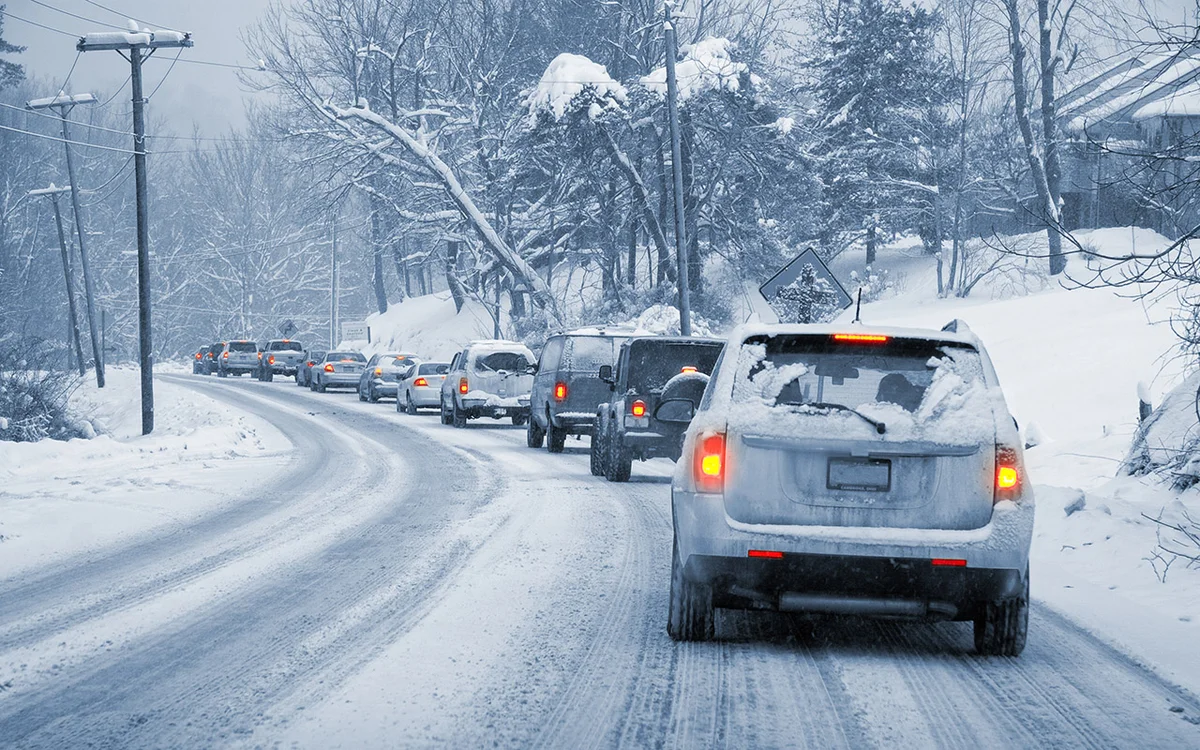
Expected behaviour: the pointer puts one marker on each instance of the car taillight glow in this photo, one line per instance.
(329, 368)
(947, 562)
(768, 553)
(271, 360)
(688, 368)
(462, 385)
(378, 371)
(710, 462)
(1008, 475)
(861, 338)
(225, 355)
(260, 356)
(638, 408)
(560, 391)
(197, 355)
(421, 383)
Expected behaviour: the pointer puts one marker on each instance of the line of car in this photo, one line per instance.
(868, 472)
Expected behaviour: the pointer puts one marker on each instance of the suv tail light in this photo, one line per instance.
(861, 338)
(710, 462)
(378, 372)
(225, 355)
(260, 356)
(1008, 474)
(638, 408)
(462, 386)
(560, 392)
(271, 359)
(329, 367)
(421, 383)
(198, 355)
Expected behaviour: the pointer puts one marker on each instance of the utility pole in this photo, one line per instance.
(63, 104)
(685, 302)
(140, 46)
(333, 287)
(52, 193)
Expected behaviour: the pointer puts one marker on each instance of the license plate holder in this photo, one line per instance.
(859, 474)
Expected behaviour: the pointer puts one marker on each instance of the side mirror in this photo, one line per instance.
(675, 411)
(531, 369)
(606, 374)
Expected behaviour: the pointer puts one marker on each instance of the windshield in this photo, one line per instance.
(589, 353)
(653, 363)
(345, 357)
(816, 371)
(243, 346)
(507, 361)
(285, 346)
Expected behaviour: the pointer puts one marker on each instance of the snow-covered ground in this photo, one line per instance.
(63, 498)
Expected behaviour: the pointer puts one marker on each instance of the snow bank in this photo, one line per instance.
(569, 78)
(706, 66)
(61, 498)
(1171, 436)
(427, 325)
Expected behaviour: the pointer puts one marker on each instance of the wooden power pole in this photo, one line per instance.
(137, 47)
(685, 302)
(53, 193)
(63, 104)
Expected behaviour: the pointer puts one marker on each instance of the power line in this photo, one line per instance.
(116, 93)
(8, 13)
(164, 78)
(76, 15)
(70, 72)
(123, 15)
(102, 148)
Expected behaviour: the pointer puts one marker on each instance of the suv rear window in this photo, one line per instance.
(243, 346)
(345, 356)
(285, 346)
(496, 361)
(653, 363)
(589, 353)
(798, 371)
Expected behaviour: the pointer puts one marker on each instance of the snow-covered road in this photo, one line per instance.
(403, 583)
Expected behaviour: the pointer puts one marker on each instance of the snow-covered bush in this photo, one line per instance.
(1168, 443)
(34, 396)
(875, 285)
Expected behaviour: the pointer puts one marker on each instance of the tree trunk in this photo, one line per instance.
(377, 238)
(1037, 167)
(665, 272)
(691, 209)
(871, 231)
(1049, 62)
(457, 291)
(631, 253)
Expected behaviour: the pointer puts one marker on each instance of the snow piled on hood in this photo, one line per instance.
(706, 66)
(567, 78)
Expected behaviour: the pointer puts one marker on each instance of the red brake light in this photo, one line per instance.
(271, 359)
(1008, 475)
(943, 562)
(688, 368)
(772, 554)
(421, 383)
(197, 355)
(710, 463)
(462, 386)
(638, 408)
(560, 391)
(225, 355)
(329, 367)
(378, 371)
(260, 356)
(861, 338)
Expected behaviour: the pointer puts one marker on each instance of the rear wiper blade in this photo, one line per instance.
(880, 427)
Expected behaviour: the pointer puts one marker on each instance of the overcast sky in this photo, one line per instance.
(208, 97)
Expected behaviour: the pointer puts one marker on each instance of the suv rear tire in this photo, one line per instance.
(534, 434)
(596, 452)
(446, 417)
(458, 417)
(519, 420)
(1001, 628)
(556, 438)
(268, 375)
(618, 464)
(690, 615)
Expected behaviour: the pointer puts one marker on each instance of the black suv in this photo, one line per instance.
(567, 389)
(643, 417)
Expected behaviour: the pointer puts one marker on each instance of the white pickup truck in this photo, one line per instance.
(279, 357)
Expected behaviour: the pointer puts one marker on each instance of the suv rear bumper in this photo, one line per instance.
(576, 423)
(862, 562)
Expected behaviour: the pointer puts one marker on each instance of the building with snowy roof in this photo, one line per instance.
(1118, 125)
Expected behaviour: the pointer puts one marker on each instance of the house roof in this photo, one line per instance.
(1140, 87)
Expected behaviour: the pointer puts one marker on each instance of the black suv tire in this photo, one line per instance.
(596, 453)
(690, 615)
(618, 464)
(458, 417)
(410, 408)
(1001, 628)
(445, 415)
(556, 438)
(534, 434)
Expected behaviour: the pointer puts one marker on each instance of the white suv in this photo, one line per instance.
(855, 471)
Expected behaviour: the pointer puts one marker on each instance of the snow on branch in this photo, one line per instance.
(575, 80)
(706, 66)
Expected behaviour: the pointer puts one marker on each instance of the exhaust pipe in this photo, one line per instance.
(863, 606)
